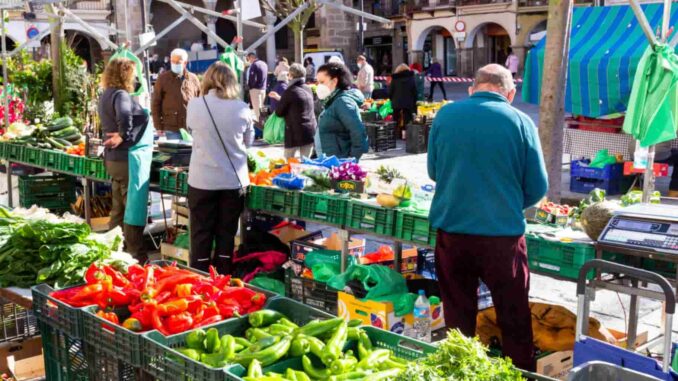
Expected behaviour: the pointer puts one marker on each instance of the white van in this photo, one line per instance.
(322, 57)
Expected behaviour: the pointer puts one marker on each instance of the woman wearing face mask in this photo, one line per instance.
(340, 129)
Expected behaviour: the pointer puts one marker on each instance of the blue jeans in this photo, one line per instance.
(172, 135)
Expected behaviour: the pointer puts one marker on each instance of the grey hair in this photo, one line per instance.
(181, 53)
(297, 71)
(494, 75)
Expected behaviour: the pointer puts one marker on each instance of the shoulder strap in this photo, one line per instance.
(223, 145)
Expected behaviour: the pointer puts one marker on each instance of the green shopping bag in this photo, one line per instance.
(386, 109)
(274, 130)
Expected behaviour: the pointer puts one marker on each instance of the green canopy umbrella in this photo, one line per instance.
(652, 115)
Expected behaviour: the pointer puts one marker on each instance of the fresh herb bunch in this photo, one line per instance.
(460, 358)
(388, 174)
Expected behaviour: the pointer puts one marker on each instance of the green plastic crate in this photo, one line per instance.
(370, 218)
(559, 258)
(324, 208)
(36, 185)
(94, 168)
(415, 228)
(71, 163)
(274, 200)
(164, 363)
(15, 152)
(32, 155)
(114, 340)
(55, 201)
(174, 181)
(401, 346)
(50, 159)
(56, 314)
(663, 268)
(3, 150)
(64, 356)
(103, 367)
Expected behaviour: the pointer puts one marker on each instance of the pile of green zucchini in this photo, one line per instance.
(60, 134)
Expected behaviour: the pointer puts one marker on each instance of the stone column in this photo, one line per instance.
(269, 19)
(128, 21)
(211, 22)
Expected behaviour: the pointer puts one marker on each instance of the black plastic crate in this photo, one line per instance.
(55, 313)
(611, 187)
(381, 144)
(310, 292)
(417, 138)
(103, 367)
(64, 356)
(115, 341)
(16, 322)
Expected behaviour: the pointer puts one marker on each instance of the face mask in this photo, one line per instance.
(177, 68)
(322, 91)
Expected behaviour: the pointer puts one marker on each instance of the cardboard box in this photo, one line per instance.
(382, 314)
(23, 360)
(288, 233)
(408, 264)
(641, 338)
(376, 314)
(169, 251)
(556, 364)
(100, 224)
(315, 241)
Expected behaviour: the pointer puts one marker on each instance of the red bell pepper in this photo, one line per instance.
(229, 310)
(144, 316)
(168, 284)
(117, 297)
(94, 274)
(173, 307)
(211, 309)
(66, 294)
(179, 323)
(119, 280)
(156, 321)
(205, 289)
(110, 316)
(183, 290)
(210, 320)
(88, 293)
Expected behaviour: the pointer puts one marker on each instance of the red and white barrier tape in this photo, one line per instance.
(442, 79)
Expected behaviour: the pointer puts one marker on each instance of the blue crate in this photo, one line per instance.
(612, 187)
(580, 168)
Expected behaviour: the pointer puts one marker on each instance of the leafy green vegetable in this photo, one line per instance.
(38, 251)
(460, 358)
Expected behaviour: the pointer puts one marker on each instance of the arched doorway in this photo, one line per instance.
(82, 45)
(437, 44)
(489, 43)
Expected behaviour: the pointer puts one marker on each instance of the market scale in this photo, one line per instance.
(641, 232)
(651, 228)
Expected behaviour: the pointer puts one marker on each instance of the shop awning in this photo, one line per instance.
(606, 44)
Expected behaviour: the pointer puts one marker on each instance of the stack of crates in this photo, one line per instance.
(381, 135)
(584, 179)
(56, 192)
(174, 180)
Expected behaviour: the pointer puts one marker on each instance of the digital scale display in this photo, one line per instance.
(648, 232)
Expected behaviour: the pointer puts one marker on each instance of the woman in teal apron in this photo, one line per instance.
(136, 209)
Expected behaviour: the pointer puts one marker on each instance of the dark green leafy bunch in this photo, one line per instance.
(460, 358)
(33, 252)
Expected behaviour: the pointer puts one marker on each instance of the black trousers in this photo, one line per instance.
(215, 215)
(442, 87)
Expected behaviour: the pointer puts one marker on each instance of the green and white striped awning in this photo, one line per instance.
(606, 44)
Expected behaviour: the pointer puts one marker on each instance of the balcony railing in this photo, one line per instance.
(480, 2)
(388, 8)
(89, 5)
(417, 5)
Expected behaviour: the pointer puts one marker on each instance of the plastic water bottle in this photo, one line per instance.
(422, 318)
(424, 197)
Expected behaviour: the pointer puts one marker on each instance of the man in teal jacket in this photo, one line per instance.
(486, 159)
